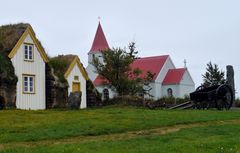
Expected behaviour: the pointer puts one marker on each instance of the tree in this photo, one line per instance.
(116, 69)
(213, 76)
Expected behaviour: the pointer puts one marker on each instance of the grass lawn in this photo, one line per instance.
(210, 139)
(18, 129)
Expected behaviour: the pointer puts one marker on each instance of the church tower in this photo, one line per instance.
(99, 45)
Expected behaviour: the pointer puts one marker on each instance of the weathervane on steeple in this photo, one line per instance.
(99, 18)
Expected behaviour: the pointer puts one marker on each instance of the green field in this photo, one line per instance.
(119, 130)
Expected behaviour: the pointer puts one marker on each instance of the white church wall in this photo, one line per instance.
(185, 90)
(186, 85)
(157, 90)
(112, 93)
(151, 92)
(157, 93)
(90, 68)
(175, 90)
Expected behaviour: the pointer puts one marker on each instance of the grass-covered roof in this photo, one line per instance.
(61, 64)
(10, 34)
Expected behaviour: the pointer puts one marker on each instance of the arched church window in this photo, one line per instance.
(105, 94)
(170, 92)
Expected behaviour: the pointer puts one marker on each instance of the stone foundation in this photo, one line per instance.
(7, 96)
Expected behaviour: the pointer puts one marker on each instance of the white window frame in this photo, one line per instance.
(28, 84)
(28, 52)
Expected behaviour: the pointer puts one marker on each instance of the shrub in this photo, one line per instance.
(170, 101)
(59, 67)
(127, 100)
(7, 71)
(237, 102)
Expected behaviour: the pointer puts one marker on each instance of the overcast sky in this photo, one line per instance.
(196, 30)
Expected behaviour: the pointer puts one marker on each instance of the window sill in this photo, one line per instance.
(29, 93)
(28, 60)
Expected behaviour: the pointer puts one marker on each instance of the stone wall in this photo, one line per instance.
(8, 82)
(56, 92)
(93, 96)
(7, 96)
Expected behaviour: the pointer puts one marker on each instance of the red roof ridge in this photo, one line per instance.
(179, 69)
(100, 42)
(152, 57)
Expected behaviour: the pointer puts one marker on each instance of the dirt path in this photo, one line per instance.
(120, 136)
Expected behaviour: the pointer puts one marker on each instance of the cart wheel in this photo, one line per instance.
(224, 97)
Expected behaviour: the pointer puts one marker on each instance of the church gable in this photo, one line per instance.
(187, 79)
(174, 76)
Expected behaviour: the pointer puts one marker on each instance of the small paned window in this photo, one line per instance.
(76, 78)
(28, 84)
(28, 52)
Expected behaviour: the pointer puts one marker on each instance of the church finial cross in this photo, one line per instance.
(185, 63)
(99, 18)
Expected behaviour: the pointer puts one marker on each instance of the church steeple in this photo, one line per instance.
(100, 42)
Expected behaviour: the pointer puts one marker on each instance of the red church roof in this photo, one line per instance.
(100, 81)
(174, 76)
(153, 64)
(100, 42)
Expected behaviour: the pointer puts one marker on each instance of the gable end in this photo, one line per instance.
(29, 31)
(81, 68)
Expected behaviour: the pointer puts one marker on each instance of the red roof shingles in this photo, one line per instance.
(153, 64)
(100, 42)
(174, 76)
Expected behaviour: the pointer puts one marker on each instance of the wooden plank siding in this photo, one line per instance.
(37, 100)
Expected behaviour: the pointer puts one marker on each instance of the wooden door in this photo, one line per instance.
(76, 87)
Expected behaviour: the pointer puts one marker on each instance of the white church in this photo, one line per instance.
(168, 80)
